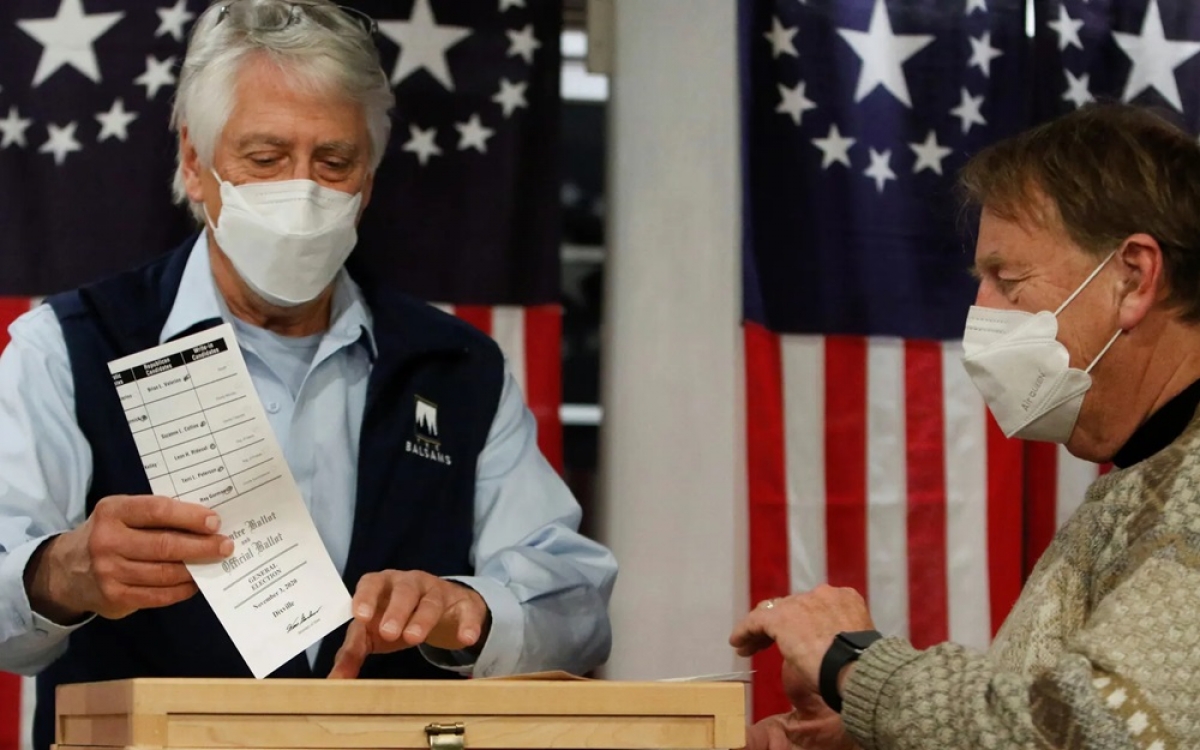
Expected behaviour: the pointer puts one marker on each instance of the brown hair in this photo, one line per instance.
(1101, 174)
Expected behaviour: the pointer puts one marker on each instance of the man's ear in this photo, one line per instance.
(1140, 262)
(189, 163)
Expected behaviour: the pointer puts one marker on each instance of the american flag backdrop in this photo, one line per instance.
(873, 463)
(466, 205)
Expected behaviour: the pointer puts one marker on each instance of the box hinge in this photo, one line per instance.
(446, 736)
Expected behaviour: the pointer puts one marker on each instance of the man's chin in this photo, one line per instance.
(1091, 446)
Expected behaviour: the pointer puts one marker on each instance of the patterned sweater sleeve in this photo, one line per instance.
(1129, 679)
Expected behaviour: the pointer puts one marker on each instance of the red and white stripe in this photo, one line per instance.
(16, 693)
(531, 339)
(927, 509)
(16, 711)
(873, 464)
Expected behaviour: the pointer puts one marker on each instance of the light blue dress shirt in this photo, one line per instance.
(546, 585)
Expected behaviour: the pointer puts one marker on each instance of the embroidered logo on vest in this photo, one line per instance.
(428, 444)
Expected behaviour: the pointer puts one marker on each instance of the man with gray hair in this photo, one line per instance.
(473, 554)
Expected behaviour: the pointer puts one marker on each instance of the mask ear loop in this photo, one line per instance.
(1075, 294)
(1083, 286)
(1103, 351)
(220, 182)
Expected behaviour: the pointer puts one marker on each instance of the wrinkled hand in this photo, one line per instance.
(803, 626)
(814, 724)
(770, 734)
(399, 609)
(811, 725)
(128, 555)
(795, 731)
(799, 693)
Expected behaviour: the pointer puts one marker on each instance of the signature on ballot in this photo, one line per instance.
(303, 618)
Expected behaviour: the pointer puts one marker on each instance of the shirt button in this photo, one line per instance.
(273, 407)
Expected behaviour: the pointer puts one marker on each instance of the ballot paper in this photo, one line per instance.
(743, 676)
(204, 438)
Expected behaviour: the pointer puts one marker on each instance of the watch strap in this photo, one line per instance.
(845, 649)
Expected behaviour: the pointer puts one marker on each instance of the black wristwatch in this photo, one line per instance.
(846, 648)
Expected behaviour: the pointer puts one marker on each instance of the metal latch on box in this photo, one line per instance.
(446, 736)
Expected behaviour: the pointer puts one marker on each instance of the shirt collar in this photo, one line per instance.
(198, 300)
(1161, 429)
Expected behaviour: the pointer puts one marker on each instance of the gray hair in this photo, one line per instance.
(313, 42)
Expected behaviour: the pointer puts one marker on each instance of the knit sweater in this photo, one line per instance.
(1101, 651)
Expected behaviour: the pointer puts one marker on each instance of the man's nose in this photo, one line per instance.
(303, 170)
(988, 296)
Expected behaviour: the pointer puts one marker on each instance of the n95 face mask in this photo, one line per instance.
(1023, 372)
(287, 240)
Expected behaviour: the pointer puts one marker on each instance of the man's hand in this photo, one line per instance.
(797, 689)
(398, 609)
(770, 734)
(128, 555)
(804, 626)
(795, 731)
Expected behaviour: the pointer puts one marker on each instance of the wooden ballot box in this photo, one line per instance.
(509, 714)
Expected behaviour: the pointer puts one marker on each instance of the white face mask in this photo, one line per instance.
(287, 239)
(1024, 372)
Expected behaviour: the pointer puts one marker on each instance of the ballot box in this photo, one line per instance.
(509, 714)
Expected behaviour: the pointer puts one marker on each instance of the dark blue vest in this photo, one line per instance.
(411, 513)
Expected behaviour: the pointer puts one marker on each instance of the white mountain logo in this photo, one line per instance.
(427, 444)
(427, 420)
